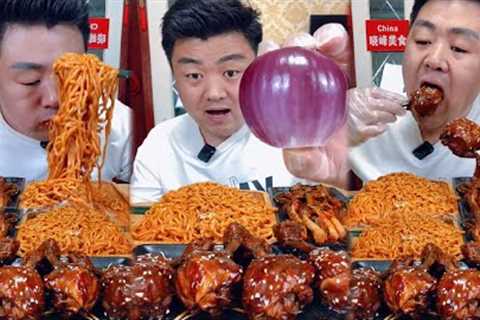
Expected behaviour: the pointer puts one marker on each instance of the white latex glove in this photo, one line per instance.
(334, 42)
(370, 110)
(301, 39)
(327, 164)
(267, 46)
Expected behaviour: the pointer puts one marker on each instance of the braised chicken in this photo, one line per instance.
(316, 209)
(365, 294)
(354, 292)
(22, 292)
(74, 285)
(205, 278)
(458, 290)
(471, 253)
(7, 223)
(292, 234)
(277, 287)
(70, 280)
(462, 137)
(274, 287)
(425, 100)
(7, 190)
(458, 295)
(239, 242)
(8, 249)
(334, 272)
(407, 288)
(143, 290)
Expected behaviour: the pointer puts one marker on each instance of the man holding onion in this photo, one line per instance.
(209, 44)
(443, 49)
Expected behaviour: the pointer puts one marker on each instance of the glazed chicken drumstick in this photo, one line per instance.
(425, 100)
(274, 286)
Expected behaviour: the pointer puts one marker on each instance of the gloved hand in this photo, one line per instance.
(267, 46)
(334, 42)
(369, 112)
(326, 164)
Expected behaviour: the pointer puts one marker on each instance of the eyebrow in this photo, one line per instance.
(26, 66)
(230, 57)
(457, 30)
(424, 23)
(466, 32)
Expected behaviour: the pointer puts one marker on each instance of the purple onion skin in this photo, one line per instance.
(293, 98)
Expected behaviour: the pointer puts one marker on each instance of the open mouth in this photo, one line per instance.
(218, 112)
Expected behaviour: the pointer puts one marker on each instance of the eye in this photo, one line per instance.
(194, 76)
(231, 74)
(32, 83)
(422, 42)
(458, 50)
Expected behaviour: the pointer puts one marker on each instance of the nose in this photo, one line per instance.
(437, 57)
(215, 90)
(50, 93)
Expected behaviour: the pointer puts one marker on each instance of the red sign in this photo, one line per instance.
(98, 33)
(387, 35)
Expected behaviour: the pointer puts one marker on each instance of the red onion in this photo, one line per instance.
(293, 97)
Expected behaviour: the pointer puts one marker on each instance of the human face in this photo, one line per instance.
(28, 89)
(207, 75)
(443, 49)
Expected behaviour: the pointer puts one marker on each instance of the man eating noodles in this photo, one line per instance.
(33, 34)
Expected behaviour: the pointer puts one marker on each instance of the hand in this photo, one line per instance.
(369, 112)
(334, 42)
(331, 40)
(327, 164)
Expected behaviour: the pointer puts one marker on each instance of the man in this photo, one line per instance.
(33, 34)
(209, 44)
(443, 49)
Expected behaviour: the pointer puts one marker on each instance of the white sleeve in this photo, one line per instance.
(121, 141)
(145, 184)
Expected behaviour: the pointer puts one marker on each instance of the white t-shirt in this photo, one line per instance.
(392, 152)
(22, 156)
(167, 160)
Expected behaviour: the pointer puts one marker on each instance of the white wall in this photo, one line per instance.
(363, 58)
(114, 11)
(161, 73)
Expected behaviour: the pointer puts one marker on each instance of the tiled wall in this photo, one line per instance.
(283, 17)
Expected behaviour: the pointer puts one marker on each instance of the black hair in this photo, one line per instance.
(206, 18)
(418, 5)
(45, 12)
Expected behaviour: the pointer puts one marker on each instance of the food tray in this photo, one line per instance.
(12, 203)
(314, 311)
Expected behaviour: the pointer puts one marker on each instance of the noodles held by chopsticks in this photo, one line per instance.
(87, 88)
(204, 210)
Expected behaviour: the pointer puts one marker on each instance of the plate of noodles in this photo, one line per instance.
(76, 226)
(10, 189)
(204, 210)
(405, 234)
(399, 193)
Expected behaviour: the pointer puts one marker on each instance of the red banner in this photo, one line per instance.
(387, 35)
(99, 28)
